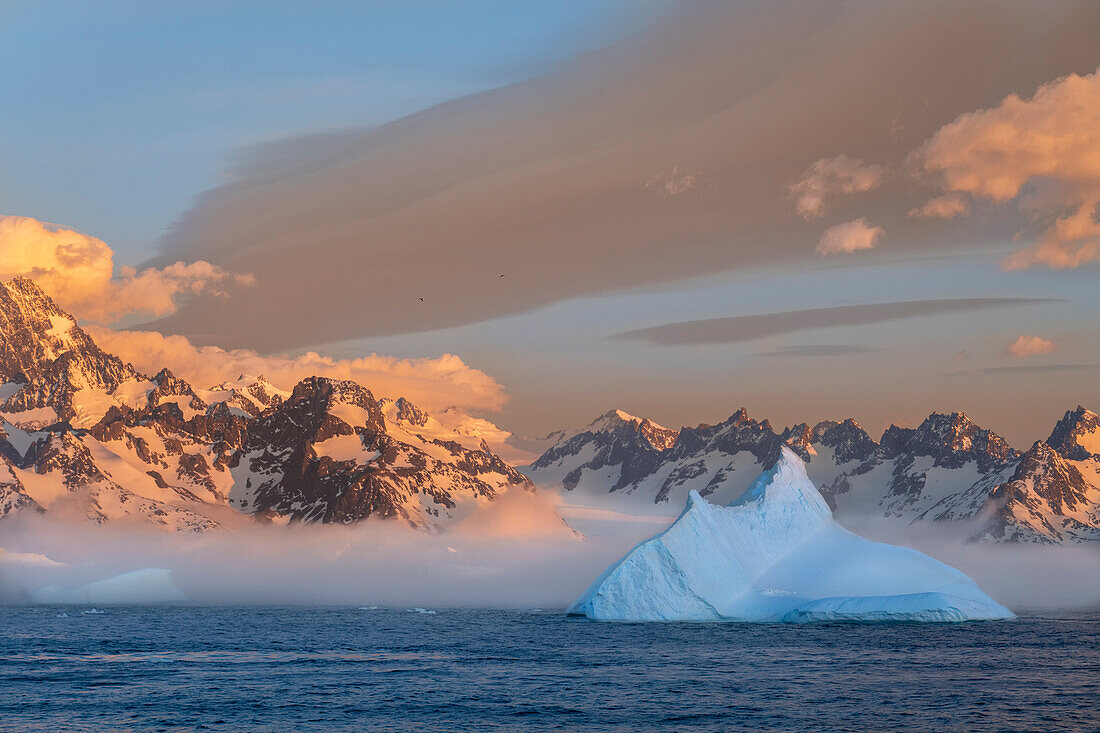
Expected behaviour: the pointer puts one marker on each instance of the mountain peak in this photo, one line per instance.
(1077, 435)
(951, 439)
(42, 347)
(614, 416)
(410, 413)
(34, 331)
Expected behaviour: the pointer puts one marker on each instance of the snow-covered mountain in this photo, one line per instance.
(613, 451)
(84, 435)
(948, 468)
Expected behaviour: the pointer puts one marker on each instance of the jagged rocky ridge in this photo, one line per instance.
(948, 468)
(84, 435)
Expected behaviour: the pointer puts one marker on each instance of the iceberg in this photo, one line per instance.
(151, 585)
(776, 555)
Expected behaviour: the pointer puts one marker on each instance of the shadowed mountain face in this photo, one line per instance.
(947, 468)
(667, 156)
(85, 436)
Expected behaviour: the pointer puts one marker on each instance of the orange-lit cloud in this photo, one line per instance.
(433, 383)
(1043, 152)
(1028, 345)
(942, 207)
(78, 271)
(829, 177)
(850, 236)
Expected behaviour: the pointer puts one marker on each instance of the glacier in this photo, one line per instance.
(776, 555)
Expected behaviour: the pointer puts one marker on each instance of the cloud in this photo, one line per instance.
(674, 184)
(479, 563)
(750, 328)
(382, 563)
(830, 177)
(544, 180)
(433, 383)
(850, 236)
(817, 350)
(942, 207)
(517, 514)
(1006, 371)
(78, 271)
(1042, 152)
(1028, 345)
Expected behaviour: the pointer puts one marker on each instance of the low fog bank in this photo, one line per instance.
(1024, 577)
(474, 564)
(373, 563)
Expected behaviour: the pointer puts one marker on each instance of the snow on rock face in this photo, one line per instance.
(946, 469)
(415, 425)
(42, 347)
(1077, 435)
(775, 554)
(85, 437)
(1047, 500)
(616, 448)
(330, 454)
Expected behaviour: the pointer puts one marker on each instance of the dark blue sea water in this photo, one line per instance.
(343, 669)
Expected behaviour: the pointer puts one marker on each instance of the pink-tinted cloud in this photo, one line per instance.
(1042, 152)
(78, 271)
(676, 183)
(947, 206)
(1028, 345)
(850, 236)
(433, 383)
(830, 177)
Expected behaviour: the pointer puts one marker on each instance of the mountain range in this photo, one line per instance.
(84, 435)
(947, 468)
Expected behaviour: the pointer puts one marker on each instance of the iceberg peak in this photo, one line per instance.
(785, 486)
(695, 499)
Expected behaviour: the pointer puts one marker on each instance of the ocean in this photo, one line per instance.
(69, 668)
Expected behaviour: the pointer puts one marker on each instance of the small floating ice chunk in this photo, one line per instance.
(775, 554)
(427, 611)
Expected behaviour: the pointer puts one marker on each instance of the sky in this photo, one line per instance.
(811, 208)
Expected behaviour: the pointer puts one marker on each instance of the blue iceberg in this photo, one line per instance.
(776, 555)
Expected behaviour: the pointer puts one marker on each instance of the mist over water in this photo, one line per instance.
(1020, 576)
(516, 555)
(479, 563)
